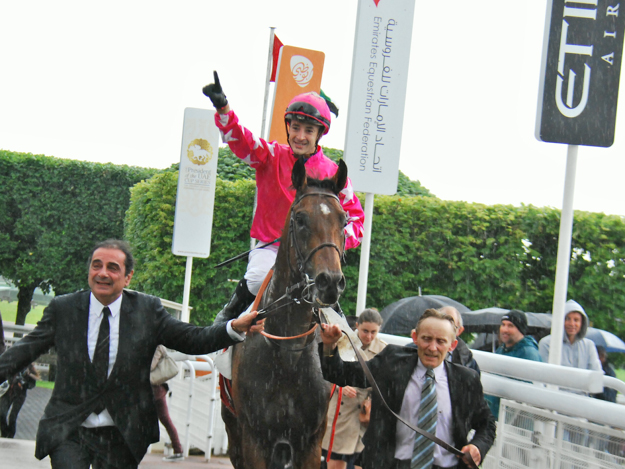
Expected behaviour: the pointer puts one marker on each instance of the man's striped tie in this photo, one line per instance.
(423, 452)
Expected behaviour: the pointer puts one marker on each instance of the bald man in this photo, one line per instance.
(461, 355)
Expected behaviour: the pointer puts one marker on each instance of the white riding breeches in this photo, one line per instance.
(259, 263)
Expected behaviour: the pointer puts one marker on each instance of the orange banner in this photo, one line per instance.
(299, 71)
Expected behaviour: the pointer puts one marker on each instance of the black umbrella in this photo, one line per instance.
(489, 320)
(607, 340)
(401, 317)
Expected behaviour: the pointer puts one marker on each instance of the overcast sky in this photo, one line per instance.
(109, 81)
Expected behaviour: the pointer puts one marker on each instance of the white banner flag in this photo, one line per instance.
(195, 198)
(378, 93)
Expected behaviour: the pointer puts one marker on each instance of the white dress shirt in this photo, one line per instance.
(102, 419)
(405, 437)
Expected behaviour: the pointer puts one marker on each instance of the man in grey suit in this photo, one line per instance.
(101, 412)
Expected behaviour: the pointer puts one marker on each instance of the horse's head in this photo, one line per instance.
(316, 232)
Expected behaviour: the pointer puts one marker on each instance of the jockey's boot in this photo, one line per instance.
(239, 302)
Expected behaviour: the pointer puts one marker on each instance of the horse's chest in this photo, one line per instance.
(284, 398)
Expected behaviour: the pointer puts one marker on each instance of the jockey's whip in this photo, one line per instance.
(244, 254)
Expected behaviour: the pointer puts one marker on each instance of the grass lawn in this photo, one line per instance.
(9, 311)
(45, 384)
(620, 374)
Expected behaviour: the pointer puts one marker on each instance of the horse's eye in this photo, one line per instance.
(301, 220)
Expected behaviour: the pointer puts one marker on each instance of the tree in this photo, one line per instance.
(52, 216)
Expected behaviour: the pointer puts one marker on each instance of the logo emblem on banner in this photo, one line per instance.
(299, 71)
(302, 69)
(199, 151)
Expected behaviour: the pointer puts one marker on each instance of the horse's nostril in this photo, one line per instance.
(322, 281)
(330, 281)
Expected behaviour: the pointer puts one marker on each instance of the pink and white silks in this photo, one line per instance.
(273, 163)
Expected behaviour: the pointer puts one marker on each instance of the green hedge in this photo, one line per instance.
(479, 255)
(51, 213)
(149, 228)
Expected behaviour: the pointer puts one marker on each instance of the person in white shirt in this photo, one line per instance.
(102, 409)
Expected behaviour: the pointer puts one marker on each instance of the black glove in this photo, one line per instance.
(215, 93)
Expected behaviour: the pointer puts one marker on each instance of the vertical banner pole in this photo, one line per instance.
(184, 315)
(272, 33)
(195, 195)
(564, 257)
(365, 247)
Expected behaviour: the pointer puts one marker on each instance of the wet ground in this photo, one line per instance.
(19, 453)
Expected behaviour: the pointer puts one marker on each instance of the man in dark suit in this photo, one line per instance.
(102, 412)
(401, 375)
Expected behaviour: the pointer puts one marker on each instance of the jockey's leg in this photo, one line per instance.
(260, 261)
(240, 300)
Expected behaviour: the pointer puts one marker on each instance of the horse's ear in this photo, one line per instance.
(340, 177)
(298, 176)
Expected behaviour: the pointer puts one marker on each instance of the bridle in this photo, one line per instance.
(304, 285)
(301, 259)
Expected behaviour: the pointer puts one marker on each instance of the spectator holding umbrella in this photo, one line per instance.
(608, 394)
(461, 354)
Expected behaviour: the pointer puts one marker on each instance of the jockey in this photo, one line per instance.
(307, 118)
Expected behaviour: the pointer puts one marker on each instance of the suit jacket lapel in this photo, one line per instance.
(404, 378)
(454, 388)
(82, 324)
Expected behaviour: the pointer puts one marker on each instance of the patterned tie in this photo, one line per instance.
(423, 452)
(101, 354)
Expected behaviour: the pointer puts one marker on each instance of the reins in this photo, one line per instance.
(276, 337)
(266, 313)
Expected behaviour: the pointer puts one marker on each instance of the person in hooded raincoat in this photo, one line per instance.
(577, 350)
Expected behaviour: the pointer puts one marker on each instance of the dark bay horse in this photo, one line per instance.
(279, 394)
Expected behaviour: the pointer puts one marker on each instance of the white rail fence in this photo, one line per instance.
(194, 406)
(549, 422)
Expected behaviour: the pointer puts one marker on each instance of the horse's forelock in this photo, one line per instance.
(328, 184)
